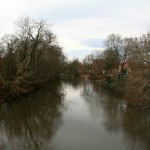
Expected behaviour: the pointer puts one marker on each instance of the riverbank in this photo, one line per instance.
(129, 89)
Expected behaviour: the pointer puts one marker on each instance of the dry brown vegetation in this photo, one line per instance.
(29, 58)
(133, 81)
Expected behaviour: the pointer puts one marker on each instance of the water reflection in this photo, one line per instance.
(31, 123)
(74, 114)
(75, 82)
(131, 123)
(136, 126)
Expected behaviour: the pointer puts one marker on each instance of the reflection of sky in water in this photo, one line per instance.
(88, 118)
(80, 130)
(93, 121)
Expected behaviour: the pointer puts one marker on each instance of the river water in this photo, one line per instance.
(73, 114)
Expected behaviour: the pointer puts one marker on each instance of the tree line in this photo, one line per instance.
(124, 67)
(32, 56)
(28, 58)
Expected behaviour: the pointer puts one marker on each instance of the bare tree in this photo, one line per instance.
(32, 56)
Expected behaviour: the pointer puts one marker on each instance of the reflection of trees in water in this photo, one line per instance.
(99, 102)
(75, 82)
(30, 123)
(136, 126)
(132, 123)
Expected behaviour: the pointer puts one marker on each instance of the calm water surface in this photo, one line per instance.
(73, 114)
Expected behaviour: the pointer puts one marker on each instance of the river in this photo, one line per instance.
(73, 114)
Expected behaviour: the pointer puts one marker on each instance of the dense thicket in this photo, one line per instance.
(29, 57)
(125, 66)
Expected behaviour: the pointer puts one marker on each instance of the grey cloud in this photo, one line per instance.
(81, 9)
(94, 43)
(84, 9)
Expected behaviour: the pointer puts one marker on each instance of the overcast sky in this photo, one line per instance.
(80, 25)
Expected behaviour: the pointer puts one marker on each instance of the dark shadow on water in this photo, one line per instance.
(31, 122)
